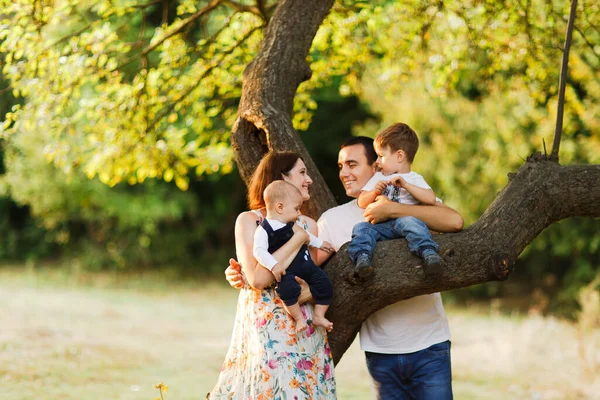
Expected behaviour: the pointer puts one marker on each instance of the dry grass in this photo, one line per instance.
(88, 337)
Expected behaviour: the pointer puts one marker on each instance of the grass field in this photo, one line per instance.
(91, 337)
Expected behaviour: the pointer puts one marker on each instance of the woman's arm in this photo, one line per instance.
(256, 275)
(438, 217)
(234, 276)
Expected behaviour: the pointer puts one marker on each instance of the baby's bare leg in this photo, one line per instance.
(319, 318)
(296, 313)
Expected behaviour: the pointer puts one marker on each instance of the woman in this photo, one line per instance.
(267, 358)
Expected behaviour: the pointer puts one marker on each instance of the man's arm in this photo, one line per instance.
(438, 217)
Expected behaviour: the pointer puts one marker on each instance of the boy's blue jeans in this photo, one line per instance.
(366, 235)
(422, 375)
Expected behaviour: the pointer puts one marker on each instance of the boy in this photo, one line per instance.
(396, 148)
(283, 201)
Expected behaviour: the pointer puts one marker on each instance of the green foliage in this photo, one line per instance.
(129, 95)
(164, 118)
(148, 224)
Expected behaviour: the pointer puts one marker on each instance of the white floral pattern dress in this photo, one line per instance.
(268, 360)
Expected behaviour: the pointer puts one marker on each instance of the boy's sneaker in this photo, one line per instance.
(433, 263)
(363, 268)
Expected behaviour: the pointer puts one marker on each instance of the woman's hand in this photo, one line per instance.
(305, 294)
(233, 274)
(378, 211)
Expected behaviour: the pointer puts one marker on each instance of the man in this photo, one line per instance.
(406, 344)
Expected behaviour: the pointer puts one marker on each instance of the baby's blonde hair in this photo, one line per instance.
(279, 192)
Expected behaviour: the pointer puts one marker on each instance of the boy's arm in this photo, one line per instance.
(366, 197)
(421, 191)
(425, 196)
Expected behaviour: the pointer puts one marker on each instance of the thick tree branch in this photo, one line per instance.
(563, 82)
(270, 83)
(535, 198)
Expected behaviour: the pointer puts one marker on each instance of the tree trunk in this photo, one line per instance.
(270, 82)
(537, 196)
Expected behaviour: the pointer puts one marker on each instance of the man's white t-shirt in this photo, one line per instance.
(396, 194)
(400, 328)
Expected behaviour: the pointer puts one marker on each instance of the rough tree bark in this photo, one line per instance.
(535, 197)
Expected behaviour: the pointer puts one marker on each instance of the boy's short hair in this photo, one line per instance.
(279, 192)
(399, 137)
(366, 143)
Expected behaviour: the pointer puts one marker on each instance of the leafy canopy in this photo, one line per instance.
(133, 89)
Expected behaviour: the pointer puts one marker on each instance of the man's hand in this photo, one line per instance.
(398, 182)
(278, 271)
(233, 274)
(327, 247)
(380, 186)
(299, 231)
(378, 211)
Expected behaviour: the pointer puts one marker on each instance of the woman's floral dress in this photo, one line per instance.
(268, 360)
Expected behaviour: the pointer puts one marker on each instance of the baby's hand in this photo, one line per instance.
(299, 231)
(380, 186)
(327, 247)
(278, 271)
(398, 182)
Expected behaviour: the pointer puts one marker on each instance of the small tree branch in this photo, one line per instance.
(563, 82)
(589, 44)
(6, 89)
(214, 4)
(243, 8)
(146, 5)
(164, 112)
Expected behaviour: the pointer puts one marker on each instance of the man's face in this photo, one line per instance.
(355, 171)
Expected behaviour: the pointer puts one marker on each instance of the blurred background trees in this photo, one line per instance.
(117, 116)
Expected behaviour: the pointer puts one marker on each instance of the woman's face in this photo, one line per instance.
(299, 178)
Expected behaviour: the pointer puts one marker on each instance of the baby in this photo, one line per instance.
(283, 201)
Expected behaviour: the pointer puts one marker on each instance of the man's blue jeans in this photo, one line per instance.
(366, 235)
(422, 375)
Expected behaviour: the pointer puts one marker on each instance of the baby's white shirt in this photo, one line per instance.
(261, 244)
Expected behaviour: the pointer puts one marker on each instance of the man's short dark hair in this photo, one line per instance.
(366, 143)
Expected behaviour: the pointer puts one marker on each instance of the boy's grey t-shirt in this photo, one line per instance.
(403, 327)
(396, 194)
